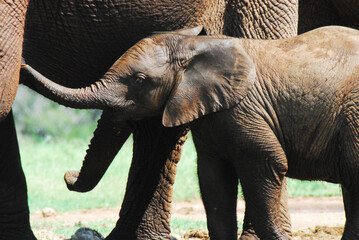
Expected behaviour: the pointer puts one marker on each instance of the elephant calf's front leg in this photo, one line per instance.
(219, 188)
(262, 184)
(249, 233)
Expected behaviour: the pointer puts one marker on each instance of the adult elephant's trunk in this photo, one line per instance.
(95, 96)
(108, 139)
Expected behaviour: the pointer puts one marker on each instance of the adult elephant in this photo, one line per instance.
(74, 43)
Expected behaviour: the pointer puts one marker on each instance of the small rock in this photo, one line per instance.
(86, 234)
(48, 212)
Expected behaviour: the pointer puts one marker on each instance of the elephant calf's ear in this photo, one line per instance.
(217, 77)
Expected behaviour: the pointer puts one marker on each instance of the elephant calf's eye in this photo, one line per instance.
(138, 80)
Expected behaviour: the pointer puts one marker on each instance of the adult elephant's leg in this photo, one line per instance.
(14, 211)
(145, 212)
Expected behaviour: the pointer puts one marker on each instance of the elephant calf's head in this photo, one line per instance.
(182, 76)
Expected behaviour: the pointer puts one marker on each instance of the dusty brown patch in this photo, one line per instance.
(196, 234)
(319, 232)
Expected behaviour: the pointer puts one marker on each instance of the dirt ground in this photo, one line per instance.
(312, 218)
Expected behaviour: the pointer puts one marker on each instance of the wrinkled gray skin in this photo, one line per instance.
(74, 43)
(258, 111)
(81, 39)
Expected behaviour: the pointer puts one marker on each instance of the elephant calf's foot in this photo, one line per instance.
(86, 234)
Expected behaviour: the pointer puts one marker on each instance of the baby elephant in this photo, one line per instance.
(258, 110)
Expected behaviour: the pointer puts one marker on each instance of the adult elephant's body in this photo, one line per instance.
(79, 40)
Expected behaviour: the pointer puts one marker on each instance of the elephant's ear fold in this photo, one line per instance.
(217, 76)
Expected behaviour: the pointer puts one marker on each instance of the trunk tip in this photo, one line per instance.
(73, 184)
(70, 178)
